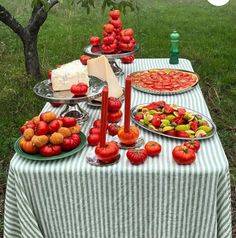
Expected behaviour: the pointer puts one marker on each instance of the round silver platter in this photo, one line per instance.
(95, 51)
(156, 92)
(44, 90)
(211, 124)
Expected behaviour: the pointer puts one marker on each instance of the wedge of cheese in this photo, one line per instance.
(68, 74)
(100, 68)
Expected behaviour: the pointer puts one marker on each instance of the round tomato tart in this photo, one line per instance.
(164, 81)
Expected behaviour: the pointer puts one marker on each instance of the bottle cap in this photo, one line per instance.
(174, 35)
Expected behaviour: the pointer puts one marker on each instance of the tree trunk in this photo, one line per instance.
(31, 54)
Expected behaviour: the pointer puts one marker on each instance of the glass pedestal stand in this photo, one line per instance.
(72, 108)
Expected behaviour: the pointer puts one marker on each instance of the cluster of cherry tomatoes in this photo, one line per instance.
(49, 135)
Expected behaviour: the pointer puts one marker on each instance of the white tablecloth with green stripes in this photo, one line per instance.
(71, 199)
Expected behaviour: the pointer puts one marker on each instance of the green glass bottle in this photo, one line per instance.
(174, 49)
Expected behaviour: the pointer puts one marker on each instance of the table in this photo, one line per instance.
(71, 199)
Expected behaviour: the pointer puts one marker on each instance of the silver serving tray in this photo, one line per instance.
(156, 92)
(211, 124)
(44, 90)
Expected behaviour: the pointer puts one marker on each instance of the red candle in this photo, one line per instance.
(127, 104)
(104, 116)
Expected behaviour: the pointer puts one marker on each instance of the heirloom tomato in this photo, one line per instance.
(152, 148)
(95, 130)
(115, 14)
(127, 59)
(84, 59)
(48, 116)
(128, 138)
(125, 39)
(117, 23)
(113, 129)
(53, 126)
(127, 32)
(126, 47)
(94, 40)
(183, 155)
(136, 156)
(28, 124)
(79, 89)
(68, 121)
(56, 104)
(71, 142)
(97, 123)
(108, 28)
(108, 40)
(192, 144)
(114, 104)
(108, 153)
(50, 150)
(107, 49)
(114, 116)
(93, 139)
(41, 128)
(27, 146)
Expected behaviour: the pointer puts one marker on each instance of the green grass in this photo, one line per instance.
(208, 36)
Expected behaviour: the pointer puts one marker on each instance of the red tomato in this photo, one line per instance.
(126, 47)
(128, 138)
(50, 150)
(183, 155)
(117, 23)
(107, 40)
(168, 109)
(136, 156)
(94, 40)
(108, 28)
(71, 142)
(95, 130)
(107, 49)
(97, 123)
(53, 126)
(113, 129)
(84, 59)
(49, 74)
(194, 125)
(193, 145)
(152, 148)
(68, 121)
(79, 89)
(56, 104)
(127, 32)
(114, 116)
(93, 139)
(115, 14)
(114, 104)
(179, 120)
(27, 146)
(108, 153)
(127, 59)
(138, 117)
(156, 121)
(28, 124)
(105, 34)
(171, 132)
(41, 128)
(125, 39)
(182, 134)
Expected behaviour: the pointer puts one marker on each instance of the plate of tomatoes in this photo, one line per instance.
(173, 121)
(164, 81)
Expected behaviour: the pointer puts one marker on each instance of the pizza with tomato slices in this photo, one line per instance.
(164, 81)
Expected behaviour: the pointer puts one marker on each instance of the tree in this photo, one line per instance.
(29, 33)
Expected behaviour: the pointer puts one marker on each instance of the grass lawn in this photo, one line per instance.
(208, 36)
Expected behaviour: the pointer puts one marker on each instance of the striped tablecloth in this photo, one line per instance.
(71, 199)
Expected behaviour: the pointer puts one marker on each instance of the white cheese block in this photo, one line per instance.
(100, 68)
(68, 74)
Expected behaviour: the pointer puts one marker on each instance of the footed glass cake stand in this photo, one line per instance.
(44, 90)
(96, 51)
